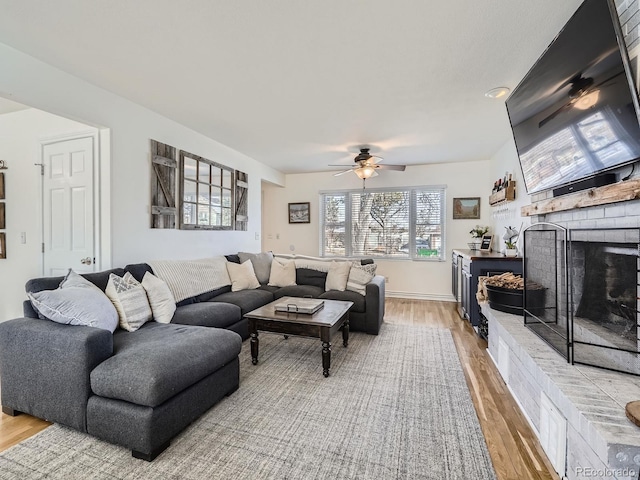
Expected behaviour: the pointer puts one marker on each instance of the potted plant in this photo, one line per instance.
(511, 249)
(477, 232)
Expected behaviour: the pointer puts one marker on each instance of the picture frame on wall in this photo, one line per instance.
(467, 208)
(3, 246)
(300, 212)
(1, 186)
(2, 224)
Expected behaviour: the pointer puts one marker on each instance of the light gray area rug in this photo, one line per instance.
(396, 406)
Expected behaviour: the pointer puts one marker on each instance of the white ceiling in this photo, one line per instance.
(298, 83)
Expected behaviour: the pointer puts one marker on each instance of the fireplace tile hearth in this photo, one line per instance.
(591, 399)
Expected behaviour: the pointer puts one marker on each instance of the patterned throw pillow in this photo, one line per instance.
(359, 276)
(130, 300)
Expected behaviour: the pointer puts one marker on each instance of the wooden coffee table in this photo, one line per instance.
(323, 325)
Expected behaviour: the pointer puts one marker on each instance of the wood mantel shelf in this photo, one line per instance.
(618, 192)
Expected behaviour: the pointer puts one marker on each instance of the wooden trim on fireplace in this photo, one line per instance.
(618, 192)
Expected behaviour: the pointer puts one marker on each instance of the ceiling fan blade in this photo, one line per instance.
(550, 117)
(342, 173)
(399, 168)
(336, 165)
(605, 81)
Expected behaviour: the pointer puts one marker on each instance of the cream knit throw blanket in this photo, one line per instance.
(188, 278)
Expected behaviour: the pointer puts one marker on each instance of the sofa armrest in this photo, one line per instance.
(374, 300)
(45, 367)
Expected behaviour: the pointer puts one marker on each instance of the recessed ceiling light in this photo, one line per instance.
(498, 92)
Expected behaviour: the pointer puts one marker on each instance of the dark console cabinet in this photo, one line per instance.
(466, 267)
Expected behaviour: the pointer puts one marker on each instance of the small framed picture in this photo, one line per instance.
(299, 212)
(2, 225)
(3, 246)
(485, 245)
(466, 208)
(1, 186)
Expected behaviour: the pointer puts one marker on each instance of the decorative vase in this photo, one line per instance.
(511, 252)
(474, 245)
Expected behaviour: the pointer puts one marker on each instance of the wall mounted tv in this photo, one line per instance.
(575, 113)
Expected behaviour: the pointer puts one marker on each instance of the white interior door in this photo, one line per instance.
(68, 206)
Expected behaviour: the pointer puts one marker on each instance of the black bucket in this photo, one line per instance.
(510, 300)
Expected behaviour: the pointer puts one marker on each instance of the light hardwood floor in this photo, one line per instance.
(514, 449)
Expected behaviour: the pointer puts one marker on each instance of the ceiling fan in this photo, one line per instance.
(583, 94)
(365, 165)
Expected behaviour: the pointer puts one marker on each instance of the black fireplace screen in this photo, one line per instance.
(588, 310)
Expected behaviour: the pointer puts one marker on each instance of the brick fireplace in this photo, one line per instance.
(590, 280)
(586, 405)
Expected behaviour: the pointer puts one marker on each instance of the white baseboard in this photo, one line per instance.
(420, 296)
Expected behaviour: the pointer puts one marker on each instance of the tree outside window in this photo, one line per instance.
(391, 223)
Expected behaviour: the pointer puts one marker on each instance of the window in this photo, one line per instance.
(383, 223)
(206, 193)
(593, 144)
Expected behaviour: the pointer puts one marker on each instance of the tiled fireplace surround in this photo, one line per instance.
(600, 441)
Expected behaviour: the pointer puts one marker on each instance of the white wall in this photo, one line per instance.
(29, 81)
(407, 278)
(20, 133)
(508, 214)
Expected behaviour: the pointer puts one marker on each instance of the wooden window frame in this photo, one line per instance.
(231, 190)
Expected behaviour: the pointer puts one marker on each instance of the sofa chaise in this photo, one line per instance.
(140, 388)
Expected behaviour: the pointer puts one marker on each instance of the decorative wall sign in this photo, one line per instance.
(485, 246)
(299, 212)
(466, 208)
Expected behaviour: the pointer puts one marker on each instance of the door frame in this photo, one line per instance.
(101, 191)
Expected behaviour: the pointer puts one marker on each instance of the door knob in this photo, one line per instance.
(86, 261)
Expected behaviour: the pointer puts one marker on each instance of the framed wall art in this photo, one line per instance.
(2, 224)
(3, 246)
(300, 212)
(1, 186)
(466, 208)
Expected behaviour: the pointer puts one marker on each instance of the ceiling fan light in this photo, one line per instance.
(365, 172)
(587, 101)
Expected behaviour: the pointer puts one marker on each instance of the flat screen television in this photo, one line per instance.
(575, 113)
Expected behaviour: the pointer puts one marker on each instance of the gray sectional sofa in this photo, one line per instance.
(139, 389)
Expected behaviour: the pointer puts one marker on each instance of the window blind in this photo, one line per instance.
(384, 223)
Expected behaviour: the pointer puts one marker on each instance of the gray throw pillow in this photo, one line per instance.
(76, 302)
(261, 264)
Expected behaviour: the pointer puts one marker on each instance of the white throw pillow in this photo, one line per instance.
(283, 273)
(359, 276)
(242, 276)
(337, 276)
(161, 300)
(261, 264)
(130, 300)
